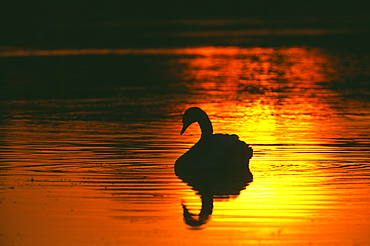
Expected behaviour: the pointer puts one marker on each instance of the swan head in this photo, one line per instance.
(191, 115)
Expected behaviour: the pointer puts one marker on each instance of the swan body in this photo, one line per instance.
(212, 150)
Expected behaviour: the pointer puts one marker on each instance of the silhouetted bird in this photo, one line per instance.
(212, 150)
(216, 166)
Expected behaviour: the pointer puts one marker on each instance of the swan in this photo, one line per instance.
(212, 150)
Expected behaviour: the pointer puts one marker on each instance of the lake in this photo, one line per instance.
(89, 138)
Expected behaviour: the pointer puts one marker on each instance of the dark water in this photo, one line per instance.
(89, 138)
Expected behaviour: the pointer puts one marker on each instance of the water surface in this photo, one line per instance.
(89, 139)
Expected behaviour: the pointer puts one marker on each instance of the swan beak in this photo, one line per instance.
(184, 127)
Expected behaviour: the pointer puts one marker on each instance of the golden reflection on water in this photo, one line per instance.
(111, 180)
(256, 70)
(266, 90)
(276, 101)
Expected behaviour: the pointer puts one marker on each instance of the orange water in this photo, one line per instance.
(99, 170)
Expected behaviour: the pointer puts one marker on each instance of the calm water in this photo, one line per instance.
(89, 138)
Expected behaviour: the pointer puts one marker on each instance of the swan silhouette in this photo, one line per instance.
(217, 166)
(212, 150)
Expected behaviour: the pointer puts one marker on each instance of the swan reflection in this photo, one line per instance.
(217, 166)
(212, 183)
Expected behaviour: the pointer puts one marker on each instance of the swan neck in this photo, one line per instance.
(206, 127)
